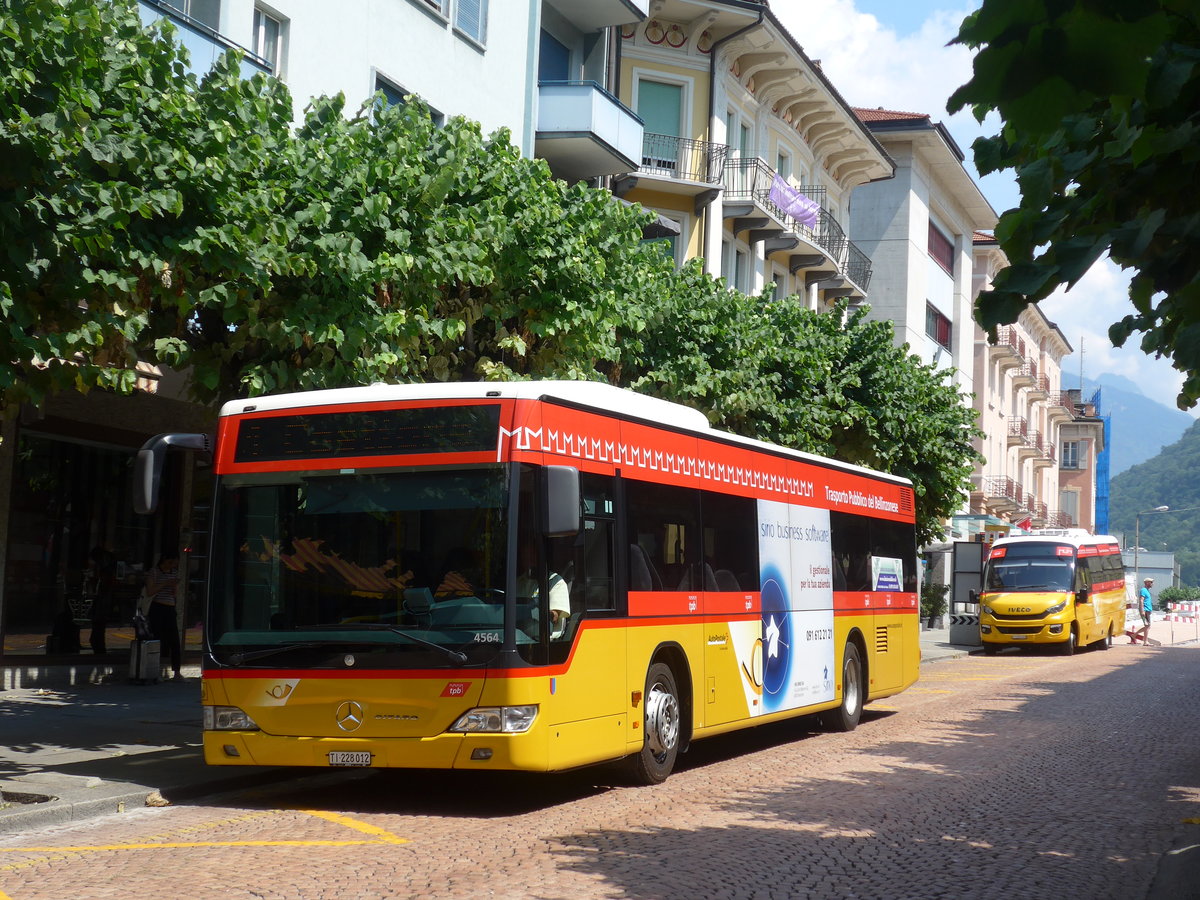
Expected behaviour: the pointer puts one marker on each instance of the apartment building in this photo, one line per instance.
(748, 148)
(917, 229)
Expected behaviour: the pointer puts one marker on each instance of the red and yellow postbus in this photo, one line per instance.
(1064, 587)
(535, 576)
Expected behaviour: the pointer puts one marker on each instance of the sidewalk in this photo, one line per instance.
(79, 740)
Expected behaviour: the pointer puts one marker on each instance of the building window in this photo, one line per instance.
(1070, 455)
(470, 18)
(554, 59)
(783, 164)
(941, 248)
(206, 12)
(1068, 505)
(438, 6)
(937, 326)
(267, 33)
(741, 269)
(398, 96)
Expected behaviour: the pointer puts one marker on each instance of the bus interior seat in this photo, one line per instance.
(642, 576)
(725, 580)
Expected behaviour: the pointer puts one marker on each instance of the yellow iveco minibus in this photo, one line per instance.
(1064, 587)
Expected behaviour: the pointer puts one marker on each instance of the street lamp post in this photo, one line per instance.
(1137, 541)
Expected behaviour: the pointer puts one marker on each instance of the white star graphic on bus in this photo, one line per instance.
(772, 635)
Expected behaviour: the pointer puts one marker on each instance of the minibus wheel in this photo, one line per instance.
(990, 648)
(1067, 647)
(661, 728)
(846, 716)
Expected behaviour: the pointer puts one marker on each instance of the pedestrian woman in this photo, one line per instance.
(161, 586)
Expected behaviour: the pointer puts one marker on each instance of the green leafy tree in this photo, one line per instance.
(827, 383)
(1182, 594)
(1100, 102)
(147, 216)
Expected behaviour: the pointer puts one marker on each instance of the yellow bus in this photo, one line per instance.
(534, 576)
(1063, 587)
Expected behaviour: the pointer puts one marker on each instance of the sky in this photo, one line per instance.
(894, 54)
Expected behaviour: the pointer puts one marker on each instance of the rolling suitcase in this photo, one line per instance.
(144, 661)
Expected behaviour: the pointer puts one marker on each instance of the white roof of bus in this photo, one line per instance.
(595, 394)
(1077, 537)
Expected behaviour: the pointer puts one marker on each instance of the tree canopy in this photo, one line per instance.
(1100, 102)
(148, 216)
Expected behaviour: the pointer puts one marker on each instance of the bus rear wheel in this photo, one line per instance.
(846, 716)
(661, 728)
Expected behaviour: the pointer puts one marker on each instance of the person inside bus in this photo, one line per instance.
(528, 588)
(1147, 607)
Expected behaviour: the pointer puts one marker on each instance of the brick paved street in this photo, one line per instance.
(1015, 776)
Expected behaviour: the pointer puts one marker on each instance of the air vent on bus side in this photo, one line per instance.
(906, 500)
(881, 639)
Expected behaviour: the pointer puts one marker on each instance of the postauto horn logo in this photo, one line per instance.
(777, 639)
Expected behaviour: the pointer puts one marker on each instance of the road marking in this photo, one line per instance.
(384, 836)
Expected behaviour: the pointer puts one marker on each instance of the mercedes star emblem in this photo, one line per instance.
(349, 715)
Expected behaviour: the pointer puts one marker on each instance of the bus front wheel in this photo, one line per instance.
(656, 759)
(846, 716)
(1067, 647)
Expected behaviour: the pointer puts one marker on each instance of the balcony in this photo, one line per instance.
(204, 44)
(1060, 405)
(583, 131)
(1018, 430)
(1040, 389)
(592, 15)
(1001, 493)
(818, 243)
(1045, 451)
(1025, 375)
(1040, 513)
(1009, 349)
(677, 165)
(1059, 519)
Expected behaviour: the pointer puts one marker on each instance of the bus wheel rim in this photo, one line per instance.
(851, 688)
(662, 720)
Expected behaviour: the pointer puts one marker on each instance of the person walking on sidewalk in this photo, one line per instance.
(1147, 608)
(161, 586)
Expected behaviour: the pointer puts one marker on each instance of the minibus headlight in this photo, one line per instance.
(227, 718)
(1056, 608)
(987, 609)
(496, 719)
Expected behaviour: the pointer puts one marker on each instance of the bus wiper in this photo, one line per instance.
(455, 656)
(238, 658)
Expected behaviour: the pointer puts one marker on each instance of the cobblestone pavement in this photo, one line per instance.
(1015, 776)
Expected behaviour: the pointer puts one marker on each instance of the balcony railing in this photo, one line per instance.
(683, 158)
(858, 265)
(1008, 337)
(1002, 487)
(1018, 427)
(751, 179)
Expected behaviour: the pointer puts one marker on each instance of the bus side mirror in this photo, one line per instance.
(973, 596)
(147, 468)
(560, 500)
(1081, 595)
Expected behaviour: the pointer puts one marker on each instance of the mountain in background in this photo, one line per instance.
(1172, 478)
(1141, 426)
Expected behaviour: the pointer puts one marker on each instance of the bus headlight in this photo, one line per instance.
(227, 718)
(987, 609)
(496, 719)
(1056, 608)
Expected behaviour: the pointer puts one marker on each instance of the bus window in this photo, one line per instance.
(595, 590)
(664, 535)
(730, 545)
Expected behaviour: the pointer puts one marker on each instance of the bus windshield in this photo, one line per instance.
(396, 569)
(1031, 567)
